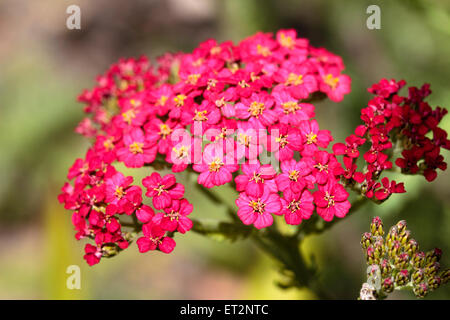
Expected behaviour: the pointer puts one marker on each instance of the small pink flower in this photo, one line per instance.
(255, 179)
(289, 110)
(313, 137)
(175, 217)
(331, 200)
(258, 109)
(258, 210)
(137, 150)
(297, 206)
(93, 254)
(335, 85)
(216, 168)
(154, 238)
(162, 190)
(295, 175)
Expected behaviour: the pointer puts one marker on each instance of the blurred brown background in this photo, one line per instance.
(43, 66)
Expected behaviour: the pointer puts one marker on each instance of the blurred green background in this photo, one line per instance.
(43, 66)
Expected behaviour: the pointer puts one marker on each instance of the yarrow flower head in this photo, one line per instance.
(243, 115)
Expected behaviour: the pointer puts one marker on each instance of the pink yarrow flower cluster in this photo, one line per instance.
(221, 112)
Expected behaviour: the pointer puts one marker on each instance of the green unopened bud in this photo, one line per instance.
(421, 290)
(417, 276)
(401, 227)
(402, 278)
(376, 227)
(401, 260)
(371, 256)
(385, 268)
(411, 247)
(434, 282)
(434, 255)
(394, 250)
(378, 246)
(110, 250)
(445, 276)
(388, 285)
(432, 269)
(418, 260)
(392, 236)
(404, 238)
(366, 240)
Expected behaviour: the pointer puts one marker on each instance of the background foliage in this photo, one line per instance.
(43, 66)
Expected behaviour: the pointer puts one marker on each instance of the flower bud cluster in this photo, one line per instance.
(395, 262)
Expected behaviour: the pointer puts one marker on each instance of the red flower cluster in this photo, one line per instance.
(394, 123)
(222, 111)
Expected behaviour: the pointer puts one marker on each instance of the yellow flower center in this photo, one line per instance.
(193, 78)
(294, 79)
(262, 50)
(293, 175)
(330, 199)
(136, 147)
(244, 139)
(179, 100)
(108, 144)
(215, 165)
(220, 103)
(290, 107)
(164, 130)
(257, 206)
(331, 81)
(160, 189)
(119, 193)
(162, 101)
(282, 140)
(294, 206)
(243, 84)
(256, 108)
(135, 103)
(287, 41)
(211, 83)
(257, 178)
(215, 50)
(128, 116)
(182, 152)
(311, 138)
(200, 115)
(198, 62)
(321, 167)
